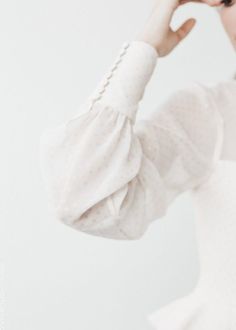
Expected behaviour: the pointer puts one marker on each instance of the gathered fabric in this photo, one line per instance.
(109, 174)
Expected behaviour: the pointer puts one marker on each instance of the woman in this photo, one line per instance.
(111, 175)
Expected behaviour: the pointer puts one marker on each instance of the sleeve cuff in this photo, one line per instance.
(123, 86)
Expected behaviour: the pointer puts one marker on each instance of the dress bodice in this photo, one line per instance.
(215, 209)
(108, 173)
(224, 95)
(212, 303)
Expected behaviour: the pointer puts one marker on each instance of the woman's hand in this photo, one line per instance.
(157, 31)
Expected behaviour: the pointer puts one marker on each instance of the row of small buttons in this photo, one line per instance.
(109, 76)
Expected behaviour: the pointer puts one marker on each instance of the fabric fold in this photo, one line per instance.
(107, 173)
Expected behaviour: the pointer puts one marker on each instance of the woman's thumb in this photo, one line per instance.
(184, 29)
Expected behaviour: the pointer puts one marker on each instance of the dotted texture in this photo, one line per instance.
(110, 175)
(107, 174)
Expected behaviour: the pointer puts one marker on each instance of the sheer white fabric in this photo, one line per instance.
(212, 302)
(110, 174)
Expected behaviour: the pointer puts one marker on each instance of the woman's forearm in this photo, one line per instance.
(157, 31)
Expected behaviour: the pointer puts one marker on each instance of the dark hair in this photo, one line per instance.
(227, 3)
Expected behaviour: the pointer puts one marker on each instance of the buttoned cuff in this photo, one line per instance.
(123, 86)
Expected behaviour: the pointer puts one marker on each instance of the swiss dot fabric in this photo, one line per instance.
(212, 303)
(111, 175)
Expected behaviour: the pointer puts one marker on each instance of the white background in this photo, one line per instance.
(52, 56)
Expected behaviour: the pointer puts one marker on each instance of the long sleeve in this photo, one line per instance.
(107, 173)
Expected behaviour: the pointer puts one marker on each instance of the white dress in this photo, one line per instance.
(109, 174)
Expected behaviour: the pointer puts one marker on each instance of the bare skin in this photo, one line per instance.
(158, 33)
(228, 18)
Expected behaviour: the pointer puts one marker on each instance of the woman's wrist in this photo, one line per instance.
(148, 43)
(123, 86)
(157, 30)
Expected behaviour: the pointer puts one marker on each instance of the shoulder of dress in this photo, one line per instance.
(193, 94)
(220, 89)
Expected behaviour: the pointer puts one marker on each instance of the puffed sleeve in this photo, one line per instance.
(108, 174)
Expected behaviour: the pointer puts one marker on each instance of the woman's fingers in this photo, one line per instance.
(182, 32)
(157, 30)
(211, 3)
